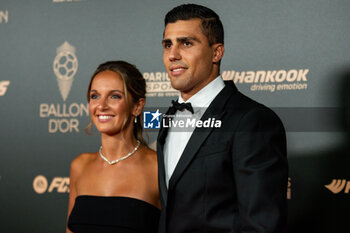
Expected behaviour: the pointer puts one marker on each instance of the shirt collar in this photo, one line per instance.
(205, 96)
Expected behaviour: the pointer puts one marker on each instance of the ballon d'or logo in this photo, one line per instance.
(65, 66)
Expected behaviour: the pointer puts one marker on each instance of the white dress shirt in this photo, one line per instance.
(176, 140)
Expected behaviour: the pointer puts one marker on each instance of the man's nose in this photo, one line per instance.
(174, 54)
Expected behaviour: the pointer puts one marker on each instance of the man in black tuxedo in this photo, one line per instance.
(231, 177)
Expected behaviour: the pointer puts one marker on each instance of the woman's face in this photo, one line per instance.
(107, 104)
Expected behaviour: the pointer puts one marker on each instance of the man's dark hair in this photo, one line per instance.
(211, 24)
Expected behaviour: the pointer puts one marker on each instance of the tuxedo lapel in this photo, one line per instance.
(163, 132)
(215, 110)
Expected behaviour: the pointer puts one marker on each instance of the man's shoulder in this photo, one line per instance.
(242, 102)
(237, 98)
(242, 105)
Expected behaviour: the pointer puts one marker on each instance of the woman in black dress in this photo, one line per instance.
(116, 188)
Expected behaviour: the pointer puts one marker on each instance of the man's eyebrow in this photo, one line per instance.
(182, 39)
(166, 41)
(187, 38)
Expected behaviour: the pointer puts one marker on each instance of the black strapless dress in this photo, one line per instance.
(98, 214)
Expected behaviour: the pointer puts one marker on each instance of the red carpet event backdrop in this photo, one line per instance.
(293, 56)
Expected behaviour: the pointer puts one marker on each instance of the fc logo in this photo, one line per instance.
(41, 185)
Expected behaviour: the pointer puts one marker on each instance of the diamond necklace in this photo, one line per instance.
(122, 158)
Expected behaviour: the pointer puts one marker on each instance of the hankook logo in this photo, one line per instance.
(338, 185)
(41, 185)
(270, 80)
(65, 66)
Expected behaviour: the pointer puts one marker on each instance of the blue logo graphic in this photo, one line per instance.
(151, 119)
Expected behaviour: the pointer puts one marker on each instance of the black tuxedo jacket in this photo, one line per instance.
(229, 179)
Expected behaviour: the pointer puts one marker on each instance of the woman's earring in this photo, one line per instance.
(135, 119)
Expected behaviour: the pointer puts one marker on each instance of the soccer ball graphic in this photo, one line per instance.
(65, 65)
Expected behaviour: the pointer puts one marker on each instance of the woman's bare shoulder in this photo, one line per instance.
(149, 156)
(82, 160)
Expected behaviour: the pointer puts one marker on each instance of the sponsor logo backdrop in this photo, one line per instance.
(286, 54)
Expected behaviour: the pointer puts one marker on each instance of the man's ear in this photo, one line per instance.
(219, 50)
(138, 107)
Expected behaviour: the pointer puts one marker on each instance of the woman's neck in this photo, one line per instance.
(116, 146)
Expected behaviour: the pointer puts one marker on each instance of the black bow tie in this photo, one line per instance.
(177, 106)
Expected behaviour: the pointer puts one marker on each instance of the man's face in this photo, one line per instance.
(187, 56)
